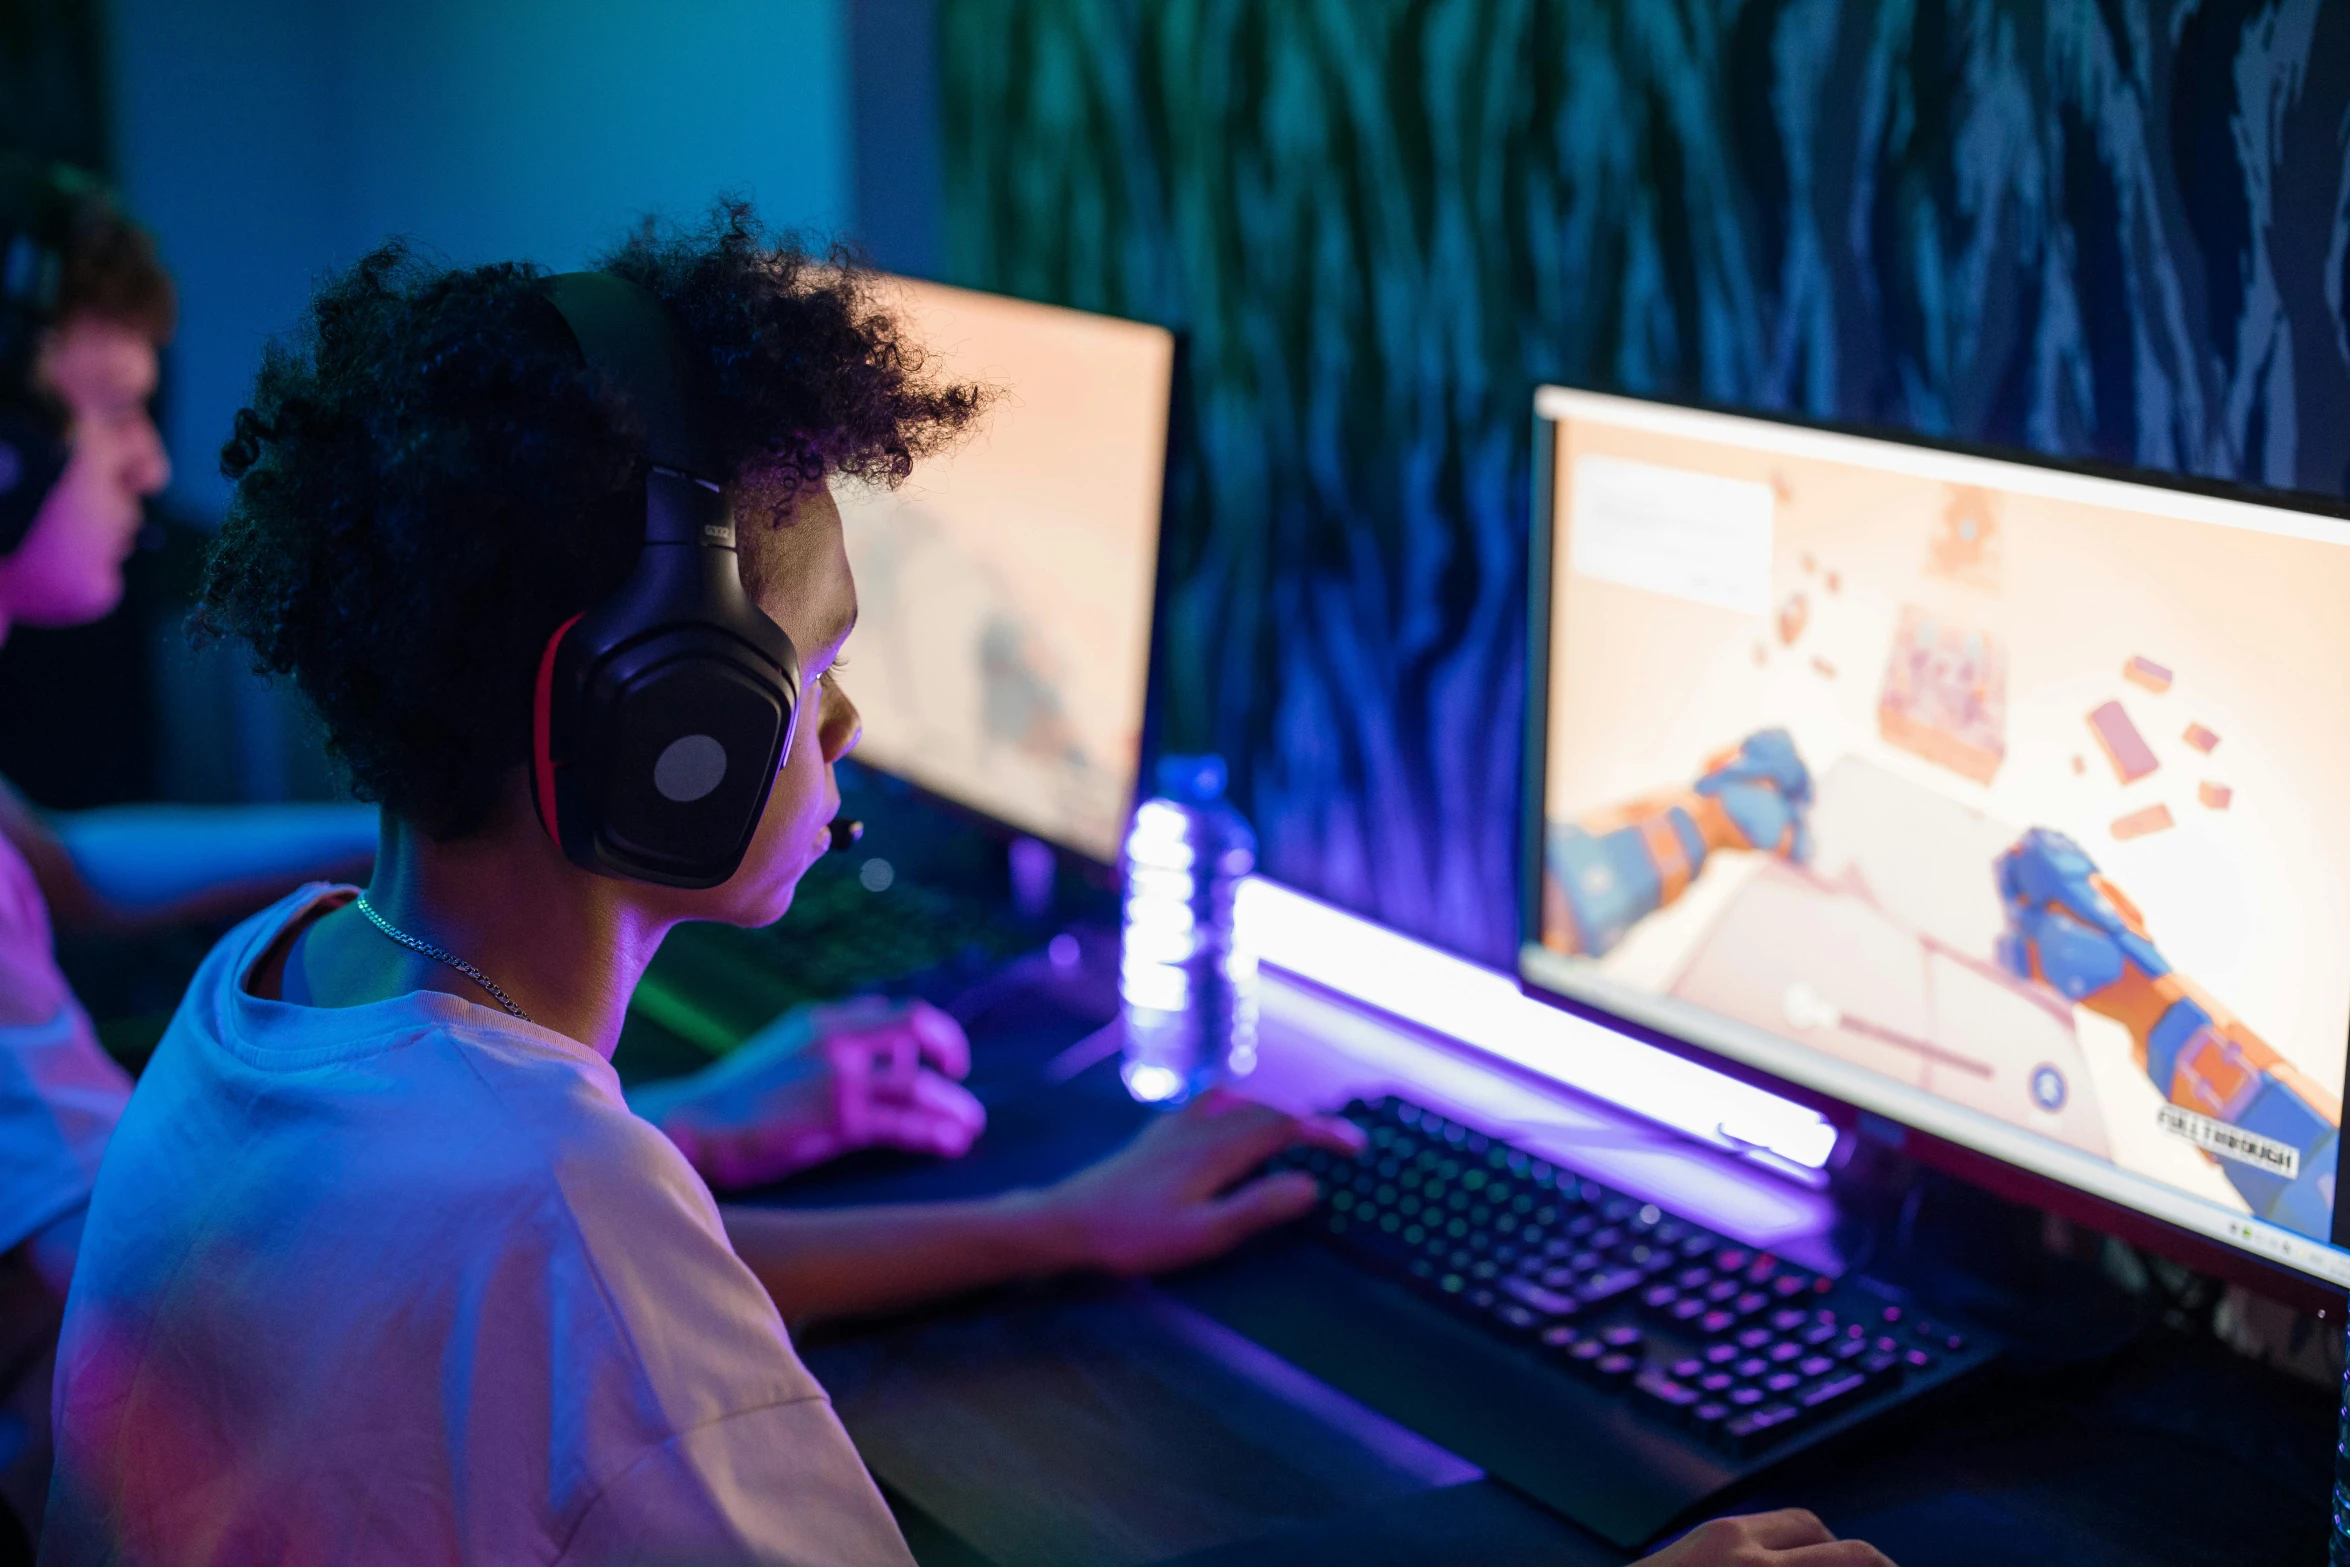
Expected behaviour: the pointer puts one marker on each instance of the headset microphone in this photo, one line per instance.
(661, 715)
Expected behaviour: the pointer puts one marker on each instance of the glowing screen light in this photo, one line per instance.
(1485, 1010)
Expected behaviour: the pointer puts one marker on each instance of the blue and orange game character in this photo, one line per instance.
(2260, 1117)
(1606, 873)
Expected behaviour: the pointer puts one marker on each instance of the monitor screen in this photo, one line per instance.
(1003, 635)
(1997, 799)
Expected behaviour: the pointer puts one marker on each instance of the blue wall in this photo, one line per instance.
(270, 140)
(2105, 228)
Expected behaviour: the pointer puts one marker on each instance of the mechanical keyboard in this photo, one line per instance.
(1619, 1362)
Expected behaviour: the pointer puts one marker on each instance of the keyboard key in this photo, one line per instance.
(1715, 1321)
(1615, 1367)
(1746, 1397)
(1826, 1394)
(1716, 1382)
(1815, 1365)
(1782, 1382)
(1758, 1428)
(1732, 1260)
(1782, 1352)
(1722, 1291)
(1547, 1301)
(1708, 1416)
(1607, 1284)
(1659, 1297)
(1918, 1359)
(1622, 1336)
(1751, 1367)
(1693, 1278)
(1787, 1320)
(1687, 1309)
(1688, 1368)
(1819, 1333)
(1749, 1303)
(1517, 1316)
(1673, 1394)
(1877, 1363)
(1720, 1354)
(1788, 1285)
(1753, 1338)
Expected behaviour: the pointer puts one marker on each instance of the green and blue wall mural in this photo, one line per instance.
(2106, 229)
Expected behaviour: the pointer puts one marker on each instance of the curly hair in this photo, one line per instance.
(429, 480)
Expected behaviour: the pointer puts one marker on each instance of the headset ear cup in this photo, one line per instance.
(32, 460)
(542, 736)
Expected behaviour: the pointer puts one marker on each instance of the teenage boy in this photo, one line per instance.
(85, 307)
(380, 1266)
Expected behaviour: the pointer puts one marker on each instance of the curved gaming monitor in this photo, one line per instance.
(1002, 648)
(1998, 800)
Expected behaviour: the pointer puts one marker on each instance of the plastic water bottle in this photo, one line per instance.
(1188, 985)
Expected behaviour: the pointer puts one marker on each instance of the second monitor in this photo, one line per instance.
(1003, 639)
(2042, 769)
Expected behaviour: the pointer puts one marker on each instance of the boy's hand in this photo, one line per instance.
(1789, 1538)
(819, 1082)
(1169, 1199)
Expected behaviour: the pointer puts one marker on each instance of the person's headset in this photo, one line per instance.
(38, 201)
(661, 715)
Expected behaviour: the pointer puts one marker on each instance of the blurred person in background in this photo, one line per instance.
(85, 307)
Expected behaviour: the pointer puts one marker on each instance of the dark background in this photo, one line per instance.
(2102, 229)
(2113, 229)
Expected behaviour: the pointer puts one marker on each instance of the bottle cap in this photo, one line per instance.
(1192, 780)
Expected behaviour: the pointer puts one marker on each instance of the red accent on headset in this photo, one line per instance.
(542, 732)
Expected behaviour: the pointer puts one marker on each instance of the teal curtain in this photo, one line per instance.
(2111, 229)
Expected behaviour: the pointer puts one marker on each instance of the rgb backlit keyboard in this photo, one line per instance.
(1739, 1347)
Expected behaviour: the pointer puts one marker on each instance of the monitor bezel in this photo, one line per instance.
(2276, 1279)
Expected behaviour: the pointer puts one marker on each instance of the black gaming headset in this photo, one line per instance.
(661, 715)
(37, 203)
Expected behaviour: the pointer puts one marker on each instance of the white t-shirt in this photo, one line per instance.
(60, 1095)
(407, 1282)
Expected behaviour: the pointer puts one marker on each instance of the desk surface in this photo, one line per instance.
(1110, 1425)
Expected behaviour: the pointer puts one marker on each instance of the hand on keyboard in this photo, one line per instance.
(819, 1082)
(1168, 1199)
(1789, 1538)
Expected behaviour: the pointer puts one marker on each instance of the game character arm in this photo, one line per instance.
(1605, 874)
(2072, 930)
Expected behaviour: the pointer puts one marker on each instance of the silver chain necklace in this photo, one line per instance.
(443, 954)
